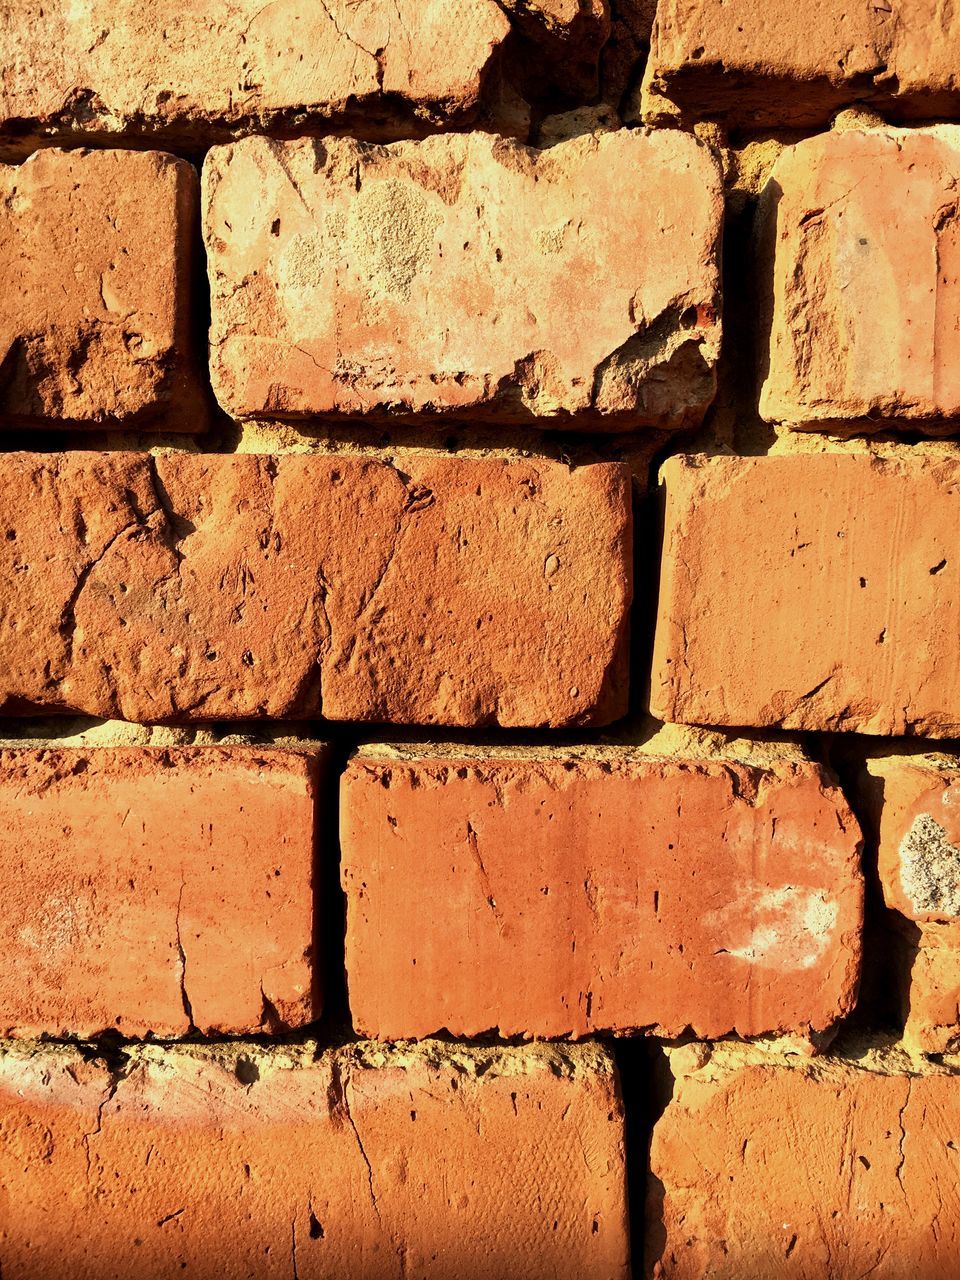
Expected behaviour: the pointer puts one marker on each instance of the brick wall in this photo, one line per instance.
(479, 662)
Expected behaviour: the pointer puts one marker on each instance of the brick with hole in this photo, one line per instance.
(183, 587)
(608, 889)
(97, 312)
(861, 242)
(764, 1165)
(157, 891)
(782, 64)
(363, 1163)
(838, 612)
(466, 276)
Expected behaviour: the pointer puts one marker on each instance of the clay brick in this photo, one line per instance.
(914, 802)
(865, 244)
(148, 890)
(926, 975)
(96, 254)
(818, 591)
(577, 893)
(782, 63)
(188, 73)
(466, 275)
(359, 1164)
(185, 587)
(910, 802)
(766, 1166)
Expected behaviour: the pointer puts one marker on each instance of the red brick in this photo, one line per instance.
(818, 591)
(96, 315)
(360, 1164)
(577, 893)
(865, 244)
(911, 801)
(782, 63)
(764, 1166)
(156, 890)
(926, 978)
(458, 591)
(914, 802)
(186, 73)
(466, 275)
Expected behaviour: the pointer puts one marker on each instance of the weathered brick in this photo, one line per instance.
(863, 243)
(178, 587)
(359, 1164)
(189, 73)
(767, 1166)
(782, 63)
(926, 979)
(910, 802)
(913, 801)
(816, 591)
(582, 892)
(148, 890)
(96, 253)
(466, 275)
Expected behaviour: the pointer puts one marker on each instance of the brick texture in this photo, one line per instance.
(778, 63)
(157, 890)
(840, 609)
(757, 1157)
(457, 591)
(184, 73)
(466, 275)
(576, 894)
(910, 800)
(360, 1165)
(866, 281)
(96, 313)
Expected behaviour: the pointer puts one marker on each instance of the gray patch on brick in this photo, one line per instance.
(930, 868)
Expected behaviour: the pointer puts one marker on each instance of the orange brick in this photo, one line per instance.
(911, 801)
(157, 890)
(360, 1164)
(466, 276)
(764, 1166)
(819, 591)
(96, 315)
(865, 239)
(577, 893)
(188, 74)
(185, 587)
(782, 63)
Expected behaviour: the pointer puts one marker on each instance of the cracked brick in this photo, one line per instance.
(157, 890)
(466, 276)
(185, 587)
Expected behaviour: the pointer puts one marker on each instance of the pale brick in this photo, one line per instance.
(466, 275)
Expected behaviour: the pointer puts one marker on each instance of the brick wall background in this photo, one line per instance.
(479, 661)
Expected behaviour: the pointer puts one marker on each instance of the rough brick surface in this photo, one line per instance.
(579, 893)
(915, 809)
(437, 1162)
(96, 314)
(865, 237)
(458, 591)
(762, 1166)
(780, 63)
(466, 275)
(927, 983)
(910, 801)
(156, 890)
(188, 73)
(838, 611)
